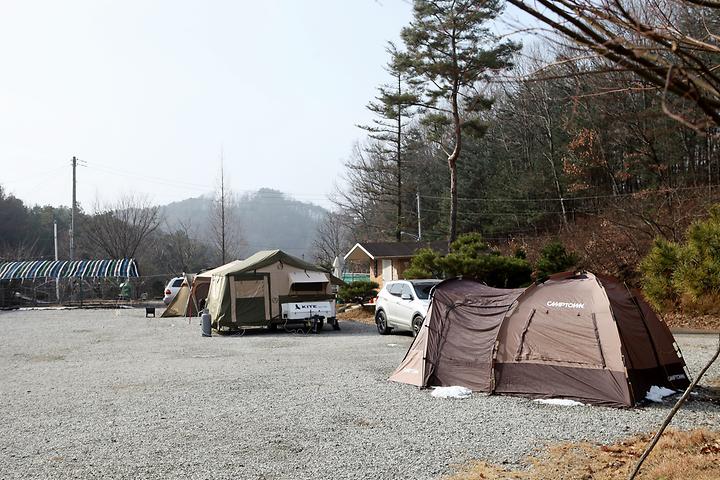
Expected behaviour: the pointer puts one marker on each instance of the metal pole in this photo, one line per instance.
(55, 237)
(57, 280)
(72, 212)
(417, 196)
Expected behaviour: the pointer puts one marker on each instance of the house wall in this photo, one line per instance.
(375, 275)
(399, 265)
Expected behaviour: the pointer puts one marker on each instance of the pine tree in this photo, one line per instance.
(450, 51)
(393, 109)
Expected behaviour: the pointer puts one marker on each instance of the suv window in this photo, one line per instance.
(423, 289)
(177, 282)
(406, 290)
(395, 289)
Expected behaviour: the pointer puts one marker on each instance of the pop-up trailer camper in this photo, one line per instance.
(272, 288)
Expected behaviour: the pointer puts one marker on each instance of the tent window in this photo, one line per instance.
(562, 337)
(249, 288)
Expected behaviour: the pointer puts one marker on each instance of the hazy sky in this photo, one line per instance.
(148, 92)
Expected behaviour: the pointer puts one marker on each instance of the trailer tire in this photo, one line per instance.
(316, 324)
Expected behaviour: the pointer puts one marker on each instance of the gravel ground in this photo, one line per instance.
(111, 394)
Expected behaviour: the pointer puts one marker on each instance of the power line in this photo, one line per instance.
(40, 177)
(135, 176)
(204, 188)
(557, 199)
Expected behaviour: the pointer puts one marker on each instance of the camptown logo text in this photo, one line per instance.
(565, 304)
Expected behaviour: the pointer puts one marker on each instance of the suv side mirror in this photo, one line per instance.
(406, 296)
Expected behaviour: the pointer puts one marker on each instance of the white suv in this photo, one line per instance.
(172, 288)
(402, 305)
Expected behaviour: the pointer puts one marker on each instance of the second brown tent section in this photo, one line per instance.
(577, 336)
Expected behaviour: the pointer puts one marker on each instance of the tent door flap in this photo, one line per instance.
(249, 301)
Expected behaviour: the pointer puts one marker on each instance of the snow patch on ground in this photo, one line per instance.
(564, 402)
(451, 392)
(656, 394)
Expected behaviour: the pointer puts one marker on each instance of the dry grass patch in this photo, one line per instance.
(678, 455)
(359, 314)
(691, 321)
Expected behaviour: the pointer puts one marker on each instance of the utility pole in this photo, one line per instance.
(417, 197)
(399, 165)
(72, 212)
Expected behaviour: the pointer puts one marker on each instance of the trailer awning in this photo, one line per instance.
(308, 277)
(34, 269)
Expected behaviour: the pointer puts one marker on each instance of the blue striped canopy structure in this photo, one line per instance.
(40, 269)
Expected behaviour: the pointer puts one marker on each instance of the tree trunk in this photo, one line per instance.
(222, 211)
(453, 198)
(452, 164)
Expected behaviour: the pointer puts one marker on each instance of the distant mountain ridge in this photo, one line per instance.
(267, 219)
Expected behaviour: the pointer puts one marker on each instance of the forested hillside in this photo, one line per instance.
(562, 141)
(263, 219)
(166, 240)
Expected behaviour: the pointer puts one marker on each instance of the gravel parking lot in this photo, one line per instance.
(112, 394)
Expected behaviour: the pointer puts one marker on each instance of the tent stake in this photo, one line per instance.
(673, 412)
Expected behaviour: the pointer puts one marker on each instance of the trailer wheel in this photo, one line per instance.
(317, 325)
(272, 327)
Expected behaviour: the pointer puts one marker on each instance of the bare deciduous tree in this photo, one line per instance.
(671, 44)
(179, 251)
(118, 229)
(333, 239)
(225, 232)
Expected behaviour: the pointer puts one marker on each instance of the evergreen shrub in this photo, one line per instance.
(554, 258)
(686, 274)
(359, 291)
(471, 257)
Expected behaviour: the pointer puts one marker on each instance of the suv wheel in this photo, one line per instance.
(417, 322)
(381, 323)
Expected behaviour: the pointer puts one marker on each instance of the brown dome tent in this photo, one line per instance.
(578, 336)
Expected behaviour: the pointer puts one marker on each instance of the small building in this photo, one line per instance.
(388, 260)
